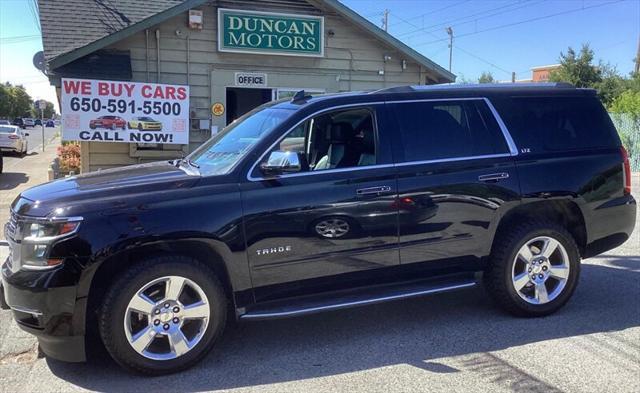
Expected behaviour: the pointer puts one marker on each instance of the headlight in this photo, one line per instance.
(36, 238)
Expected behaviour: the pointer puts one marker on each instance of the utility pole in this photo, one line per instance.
(385, 20)
(513, 77)
(450, 32)
(638, 57)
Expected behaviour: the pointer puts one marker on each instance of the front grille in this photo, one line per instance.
(12, 225)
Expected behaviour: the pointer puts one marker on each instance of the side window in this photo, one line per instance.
(541, 124)
(435, 130)
(333, 140)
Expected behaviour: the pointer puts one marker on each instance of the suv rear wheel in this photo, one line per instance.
(163, 315)
(534, 269)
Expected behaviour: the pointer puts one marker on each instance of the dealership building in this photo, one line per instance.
(232, 55)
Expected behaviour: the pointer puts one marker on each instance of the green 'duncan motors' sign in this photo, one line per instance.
(270, 33)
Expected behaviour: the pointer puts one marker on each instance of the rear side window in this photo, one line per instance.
(539, 124)
(435, 130)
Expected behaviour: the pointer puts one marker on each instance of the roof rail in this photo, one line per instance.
(451, 86)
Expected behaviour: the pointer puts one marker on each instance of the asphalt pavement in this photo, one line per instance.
(457, 342)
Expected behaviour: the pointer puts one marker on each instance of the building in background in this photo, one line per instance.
(541, 73)
(234, 55)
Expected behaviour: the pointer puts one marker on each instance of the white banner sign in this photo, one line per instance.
(251, 79)
(128, 112)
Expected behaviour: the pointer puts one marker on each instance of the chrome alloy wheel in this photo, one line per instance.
(166, 318)
(332, 228)
(540, 270)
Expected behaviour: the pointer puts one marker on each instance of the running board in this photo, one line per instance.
(353, 298)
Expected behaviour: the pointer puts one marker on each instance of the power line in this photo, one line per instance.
(34, 13)
(451, 46)
(528, 4)
(435, 11)
(482, 60)
(450, 21)
(523, 21)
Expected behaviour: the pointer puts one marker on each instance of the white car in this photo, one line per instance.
(13, 138)
(29, 122)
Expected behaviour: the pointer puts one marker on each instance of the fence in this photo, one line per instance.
(629, 131)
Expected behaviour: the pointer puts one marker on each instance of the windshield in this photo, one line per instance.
(218, 155)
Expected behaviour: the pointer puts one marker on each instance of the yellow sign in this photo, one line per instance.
(217, 109)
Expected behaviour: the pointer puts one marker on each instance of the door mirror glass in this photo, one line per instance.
(282, 162)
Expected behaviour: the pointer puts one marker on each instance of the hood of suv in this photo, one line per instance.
(157, 176)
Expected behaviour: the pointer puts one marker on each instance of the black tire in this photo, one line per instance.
(114, 306)
(498, 277)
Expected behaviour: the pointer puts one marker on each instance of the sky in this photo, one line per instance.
(498, 36)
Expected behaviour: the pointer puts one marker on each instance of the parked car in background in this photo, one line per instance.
(5, 122)
(396, 193)
(28, 122)
(37, 122)
(57, 122)
(13, 138)
(145, 124)
(19, 122)
(109, 122)
(50, 123)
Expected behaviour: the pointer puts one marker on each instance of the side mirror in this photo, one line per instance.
(26, 134)
(281, 162)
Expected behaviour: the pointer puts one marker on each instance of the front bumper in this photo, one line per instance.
(49, 313)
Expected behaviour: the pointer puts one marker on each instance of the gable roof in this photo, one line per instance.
(72, 29)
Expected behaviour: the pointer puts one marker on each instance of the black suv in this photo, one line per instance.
(322, 203)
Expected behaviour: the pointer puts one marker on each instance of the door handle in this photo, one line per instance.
(493, 177)
(373, 190)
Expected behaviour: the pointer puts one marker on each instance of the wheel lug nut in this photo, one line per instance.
(166, 305)
(166, 326)
(540, 276)
(529, 270)
(157, 312)
(176, 309)
(176, 320)
(544, 268)
(156, 322)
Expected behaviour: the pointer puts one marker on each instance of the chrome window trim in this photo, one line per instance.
(333, 108)
(513, 151)
(503, 127)
(440, 160)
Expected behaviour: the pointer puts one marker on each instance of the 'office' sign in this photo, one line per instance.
(270, 33)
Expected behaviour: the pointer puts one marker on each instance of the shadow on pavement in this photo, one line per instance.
(11, 180)
(415, 332)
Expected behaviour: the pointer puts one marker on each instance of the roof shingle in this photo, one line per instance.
(72, 24)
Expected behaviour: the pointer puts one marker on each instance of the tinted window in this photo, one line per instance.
(557, 123)
(447, 129)
(334, 140)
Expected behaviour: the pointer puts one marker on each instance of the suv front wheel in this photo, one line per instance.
(534, 269)
(163, 315)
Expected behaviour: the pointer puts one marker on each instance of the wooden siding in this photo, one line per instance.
(352, 55)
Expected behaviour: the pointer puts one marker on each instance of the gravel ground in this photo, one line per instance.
(450, 342)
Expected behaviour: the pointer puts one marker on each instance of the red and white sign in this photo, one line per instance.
(128, 112)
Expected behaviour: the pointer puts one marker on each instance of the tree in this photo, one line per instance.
(577, 69)
(22, 102)
(486, 77)
(14, 101)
